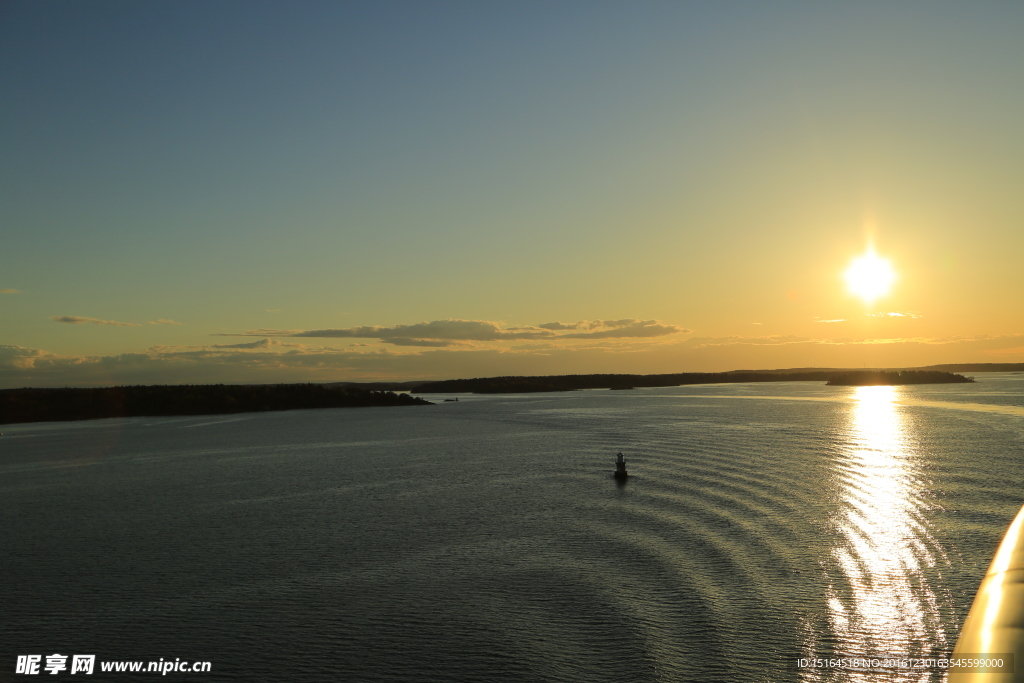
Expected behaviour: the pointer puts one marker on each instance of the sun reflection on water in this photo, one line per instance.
(879, 600)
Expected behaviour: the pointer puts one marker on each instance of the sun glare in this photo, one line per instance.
(870, 277)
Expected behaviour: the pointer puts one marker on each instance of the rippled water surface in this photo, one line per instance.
(486, 540)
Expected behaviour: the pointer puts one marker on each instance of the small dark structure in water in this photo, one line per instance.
(620, 468)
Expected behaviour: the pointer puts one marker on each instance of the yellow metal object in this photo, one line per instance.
(995, 624)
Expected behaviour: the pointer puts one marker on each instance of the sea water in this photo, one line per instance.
(486, 540)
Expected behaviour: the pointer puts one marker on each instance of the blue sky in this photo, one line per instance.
(704, 170)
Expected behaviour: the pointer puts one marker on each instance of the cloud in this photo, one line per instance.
(893, 314)
(273, 360)
(10, 291)
(562, 326)
(164, 321)
(441, 333)
(780, 340)
(78, 320)
(261, 344)
(471, 330)
(837, 320)
(624, 322)
(266, 360)
(401, 341)
(628, 328)
(768, 340)
(19, 356)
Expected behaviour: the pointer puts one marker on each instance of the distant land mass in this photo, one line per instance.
(48, 405)
(625, 381)
(503, 385)
(61, 404)
(510, 385)
(863, 378)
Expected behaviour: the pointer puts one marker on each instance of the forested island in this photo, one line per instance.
(510, 385)
(48, 405)
(862, 378)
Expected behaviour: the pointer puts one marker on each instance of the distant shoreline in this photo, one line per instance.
(67, 404)
(522, 383)
(27, 404)
(865, 378)
(506, 385)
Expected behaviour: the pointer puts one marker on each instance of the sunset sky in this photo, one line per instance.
(320, 191)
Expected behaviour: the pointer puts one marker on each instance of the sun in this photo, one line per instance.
(870, 277)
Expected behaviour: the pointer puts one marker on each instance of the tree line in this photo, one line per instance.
(47, 405)
(511, 385)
